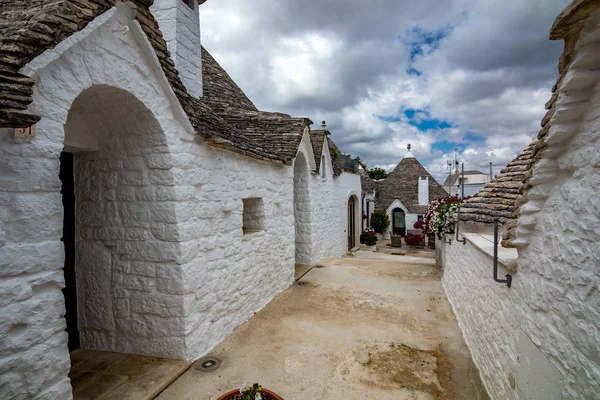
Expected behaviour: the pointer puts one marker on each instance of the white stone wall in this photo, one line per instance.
(554, 297)
(121, 248)
(182, 274)
(180, 26)
(410, 218)
(302, 210)
(487, 312)
(329, 198)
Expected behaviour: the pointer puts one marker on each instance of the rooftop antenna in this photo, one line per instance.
(456, 161)
(449, 168)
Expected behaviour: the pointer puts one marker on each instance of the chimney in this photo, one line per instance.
(179, 22)
(323, 125)
(423, 190)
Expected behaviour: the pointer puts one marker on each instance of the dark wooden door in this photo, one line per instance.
(399, 222)
(351, 223)
(68, 239)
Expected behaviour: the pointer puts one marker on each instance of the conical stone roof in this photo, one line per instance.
(403, 184)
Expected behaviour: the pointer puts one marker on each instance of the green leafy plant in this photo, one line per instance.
(369, 239)
(380, 221)
(377, 173)
(251, 392)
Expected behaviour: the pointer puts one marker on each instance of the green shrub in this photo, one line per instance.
(380, 221)
(370, 240)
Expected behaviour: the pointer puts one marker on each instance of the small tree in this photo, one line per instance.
(377, 173)
(380, 221)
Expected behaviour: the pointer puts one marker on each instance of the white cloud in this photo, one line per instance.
(489, 76)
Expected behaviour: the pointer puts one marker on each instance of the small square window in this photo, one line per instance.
(253, 215)
(419, 218)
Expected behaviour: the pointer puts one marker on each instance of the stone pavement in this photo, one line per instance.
(359, 328)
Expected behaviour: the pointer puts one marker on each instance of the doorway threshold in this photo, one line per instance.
(108, 375)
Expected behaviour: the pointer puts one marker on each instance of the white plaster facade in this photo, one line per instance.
(545, 329)
(328, 205)
(410, 218)
(163, 265)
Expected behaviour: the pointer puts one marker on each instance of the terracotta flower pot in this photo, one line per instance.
(235, 394)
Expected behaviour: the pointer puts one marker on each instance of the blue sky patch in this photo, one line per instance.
(447, 147)
(422, 42)
(422, 121)
(419, 118)
(472, 137)
(413, 71)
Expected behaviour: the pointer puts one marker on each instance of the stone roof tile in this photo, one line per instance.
(403, 184)
(28, 28)
(367, 184)
(317, 139)
(339, 161)
(500, 197)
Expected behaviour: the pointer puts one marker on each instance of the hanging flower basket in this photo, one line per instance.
(266, 394)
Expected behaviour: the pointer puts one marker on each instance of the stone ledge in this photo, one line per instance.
(485, 243)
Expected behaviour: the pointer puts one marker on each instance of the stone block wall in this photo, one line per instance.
(160, 221)
(554, 298)
(302, 207)
(329, 198)
(126, 233)
(486, 311)
(227, 276)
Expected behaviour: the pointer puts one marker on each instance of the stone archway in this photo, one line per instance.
(124, 240)
(302, 220)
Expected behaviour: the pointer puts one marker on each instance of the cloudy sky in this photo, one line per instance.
(441, 75)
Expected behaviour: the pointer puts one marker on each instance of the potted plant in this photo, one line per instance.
(380, 222)
(369, 239)
(254, 392)
(414, 240)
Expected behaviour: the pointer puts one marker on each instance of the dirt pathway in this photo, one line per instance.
(359, 328)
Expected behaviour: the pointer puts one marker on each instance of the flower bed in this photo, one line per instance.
(412, 239)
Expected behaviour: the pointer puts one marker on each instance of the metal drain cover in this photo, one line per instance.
(207, 364)
(302, 283)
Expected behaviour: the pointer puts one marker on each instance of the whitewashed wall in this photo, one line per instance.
(410, 218)
(487, 312)
(329, 198)
(185, 277)
(554, 298)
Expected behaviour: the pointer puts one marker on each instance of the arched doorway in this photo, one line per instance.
(352, 221)
(115, 224)
(399, 221)
(302, 211)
